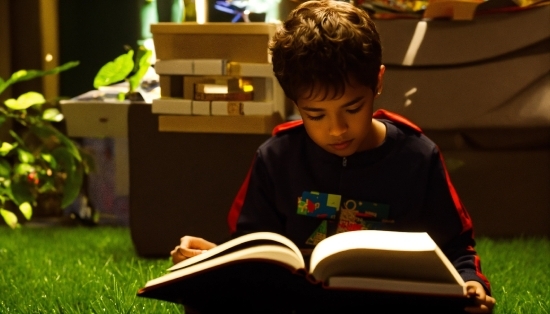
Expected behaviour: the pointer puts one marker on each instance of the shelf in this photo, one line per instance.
(219, 124)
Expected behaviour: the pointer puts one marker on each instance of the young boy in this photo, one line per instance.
(385, 173)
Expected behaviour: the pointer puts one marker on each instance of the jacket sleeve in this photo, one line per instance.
(450, 224)
(253, 208)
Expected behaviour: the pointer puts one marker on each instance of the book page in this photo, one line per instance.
(404, 286)
(382, 254)
(272, 253)
(246, 240)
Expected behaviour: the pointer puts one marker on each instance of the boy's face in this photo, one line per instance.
(344, 125)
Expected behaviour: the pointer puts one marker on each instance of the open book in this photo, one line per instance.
(267, 270)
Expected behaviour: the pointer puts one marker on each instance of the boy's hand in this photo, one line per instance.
(189, 247)
(484, 303)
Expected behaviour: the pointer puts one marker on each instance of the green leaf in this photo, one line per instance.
(64, 67)
(88, 162)
(48, 130)
(143, 66)
(65, 160)
(24, 75)
(26, 209)
(21, 192)
(72, 187)
(25, 101)
(48, 186)
(5, 169)
(49, 159)
(9, 218)
(7, 189)
(115, 71)
(75, 175)
(6, 148)
(23, 169)
(52, 114)
(25, 157)
(17, 138)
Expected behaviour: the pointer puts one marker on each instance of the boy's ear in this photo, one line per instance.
(380, 84)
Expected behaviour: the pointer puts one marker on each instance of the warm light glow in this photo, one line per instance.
(248, 88)
(200, 11)
(49, 57)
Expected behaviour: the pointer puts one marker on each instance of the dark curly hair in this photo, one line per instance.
(321, 44)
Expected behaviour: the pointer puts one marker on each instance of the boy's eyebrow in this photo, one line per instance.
(349, 103)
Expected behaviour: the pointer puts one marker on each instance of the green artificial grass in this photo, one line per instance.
(96, 270)
(75, 270)
(519, 272)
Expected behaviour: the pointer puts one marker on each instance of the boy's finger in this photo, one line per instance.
(188, 242)
(471, 290)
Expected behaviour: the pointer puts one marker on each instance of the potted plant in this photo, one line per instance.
(41, 169)
(123, 68)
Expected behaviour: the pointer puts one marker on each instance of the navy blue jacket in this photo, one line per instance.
(406, 174)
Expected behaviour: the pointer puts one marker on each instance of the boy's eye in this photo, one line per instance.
(355, 110)
(315, 118)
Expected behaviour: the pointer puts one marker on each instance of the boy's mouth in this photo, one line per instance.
(341, 145)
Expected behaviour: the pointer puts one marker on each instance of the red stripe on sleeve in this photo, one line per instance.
(285, 126)
(384, 114)
(477, 262)
(238, 202)
(462, 213)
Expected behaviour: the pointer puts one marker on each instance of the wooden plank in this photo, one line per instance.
(214, 28)
(219, 124)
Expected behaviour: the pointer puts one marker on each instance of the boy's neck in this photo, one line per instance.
(377, 134)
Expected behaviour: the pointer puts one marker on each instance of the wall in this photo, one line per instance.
(94, 33)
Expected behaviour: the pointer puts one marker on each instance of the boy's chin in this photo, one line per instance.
(341, 153)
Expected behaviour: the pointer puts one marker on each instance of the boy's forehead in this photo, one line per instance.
(320, 93)
(327, 92)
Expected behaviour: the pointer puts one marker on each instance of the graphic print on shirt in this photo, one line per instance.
(348, 215)
(320, 205)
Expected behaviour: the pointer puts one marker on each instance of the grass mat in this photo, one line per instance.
(96, 270)
(75, 270)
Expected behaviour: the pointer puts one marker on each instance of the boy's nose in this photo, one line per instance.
(338, 126)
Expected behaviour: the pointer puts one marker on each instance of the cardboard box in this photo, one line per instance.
(201, 108)
(101, 119)
(238, 42)
(96, 118)
(171, 106)
(227, 108)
